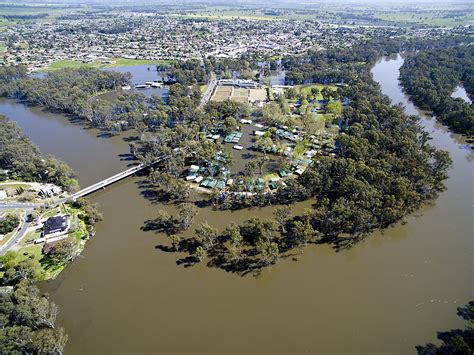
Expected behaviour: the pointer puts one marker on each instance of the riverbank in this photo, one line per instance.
(39, 236)
(404, 284)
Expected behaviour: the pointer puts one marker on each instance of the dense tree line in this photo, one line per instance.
(70, 91)
(346, 65)
(74, 91)
(430, 77)
(188, 72)
(25, 17)
(10, 73)
(24, 161)
(27, 321)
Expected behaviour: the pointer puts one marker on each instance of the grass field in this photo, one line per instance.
(30, 9)
(119, 62)
(258, 95)
(430, 18)
(306, 89)
(222, 93)
(239, 94)
(450, 15)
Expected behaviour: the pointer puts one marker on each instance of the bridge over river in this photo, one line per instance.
(113, 179)
(102, 184)
(29, 207)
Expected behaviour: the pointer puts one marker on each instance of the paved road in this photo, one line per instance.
(210, 89)
(19, 235)
(18, 205)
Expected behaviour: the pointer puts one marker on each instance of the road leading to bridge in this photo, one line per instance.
(210, 89)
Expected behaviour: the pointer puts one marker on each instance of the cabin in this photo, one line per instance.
(49, 190)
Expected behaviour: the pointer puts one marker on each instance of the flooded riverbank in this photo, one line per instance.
(388, 294)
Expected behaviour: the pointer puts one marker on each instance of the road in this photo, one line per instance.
(29, 207)
(19, 235)
(210, 89)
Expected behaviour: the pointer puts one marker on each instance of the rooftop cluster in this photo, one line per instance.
(156, 37)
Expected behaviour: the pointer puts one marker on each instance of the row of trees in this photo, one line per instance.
(23, 160)
(188, 72)
(430, 78)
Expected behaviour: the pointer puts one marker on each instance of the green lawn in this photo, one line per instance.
(119, 62)
(34, 252)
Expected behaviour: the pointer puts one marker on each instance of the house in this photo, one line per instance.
(56, 224)
(49, 190)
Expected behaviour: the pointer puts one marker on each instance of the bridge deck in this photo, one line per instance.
(101, 184)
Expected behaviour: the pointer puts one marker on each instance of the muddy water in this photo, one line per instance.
(460, 92)
(388, 294)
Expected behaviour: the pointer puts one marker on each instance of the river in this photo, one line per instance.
(388, 294)
(460, 92)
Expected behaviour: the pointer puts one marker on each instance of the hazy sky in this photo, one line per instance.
(247, 2)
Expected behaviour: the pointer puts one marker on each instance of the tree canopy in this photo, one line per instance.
(430, 77)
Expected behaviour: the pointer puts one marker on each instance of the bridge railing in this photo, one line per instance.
(119, 176)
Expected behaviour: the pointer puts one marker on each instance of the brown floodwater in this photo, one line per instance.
(386, 295)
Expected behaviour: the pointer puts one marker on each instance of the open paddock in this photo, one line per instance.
(258, 95)
(241, 95)
(222, 93)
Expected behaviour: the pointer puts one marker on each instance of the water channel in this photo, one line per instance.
(388, 294)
